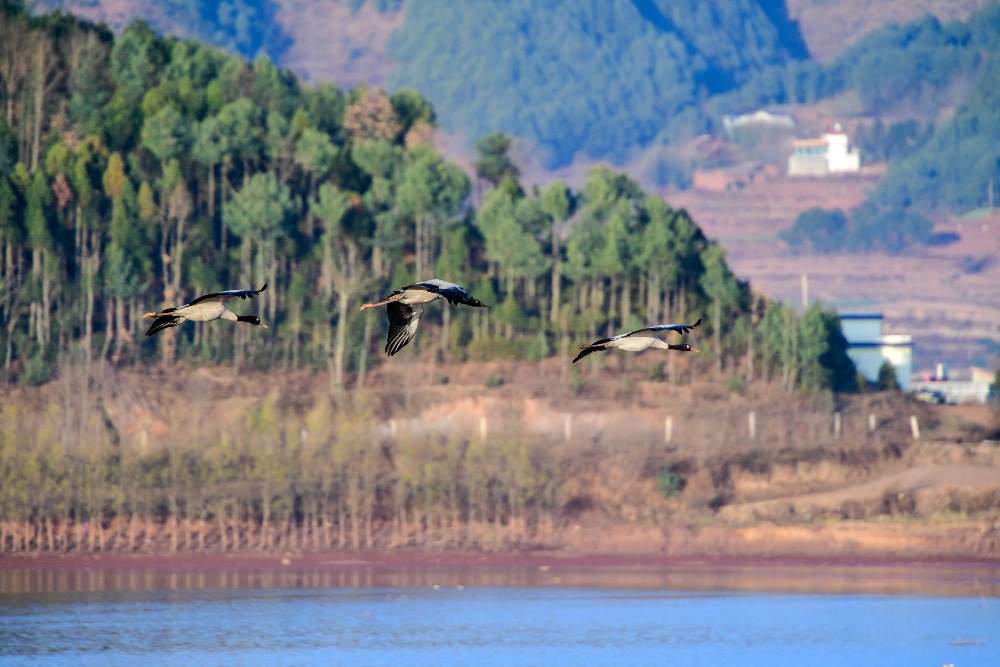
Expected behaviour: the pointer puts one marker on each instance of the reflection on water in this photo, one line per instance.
(318, 618)
(981, 580)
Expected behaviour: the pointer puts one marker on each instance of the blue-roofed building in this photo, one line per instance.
(869, 348)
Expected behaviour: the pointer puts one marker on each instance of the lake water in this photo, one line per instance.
(526, 616)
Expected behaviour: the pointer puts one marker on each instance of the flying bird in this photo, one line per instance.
(205, 308)
(405, 306)
(639, 340)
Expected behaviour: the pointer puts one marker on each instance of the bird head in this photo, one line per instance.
(684, 347)
(251, 319)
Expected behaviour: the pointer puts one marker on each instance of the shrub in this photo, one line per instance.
(36, 371)
(669, 484)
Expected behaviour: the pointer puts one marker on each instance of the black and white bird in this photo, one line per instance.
(205, 308)
(639, 340)
(405, 306)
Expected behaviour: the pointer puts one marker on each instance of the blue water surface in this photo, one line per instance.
(487, 626)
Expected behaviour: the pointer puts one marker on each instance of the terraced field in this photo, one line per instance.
(945, 296)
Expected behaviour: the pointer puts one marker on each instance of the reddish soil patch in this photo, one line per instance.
(446, 570)
(945, 296)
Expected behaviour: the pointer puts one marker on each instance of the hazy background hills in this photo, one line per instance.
(574, 77)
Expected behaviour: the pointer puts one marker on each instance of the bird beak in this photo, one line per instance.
(694, 349)
(264, 325)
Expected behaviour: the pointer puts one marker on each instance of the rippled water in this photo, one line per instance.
(220, 618)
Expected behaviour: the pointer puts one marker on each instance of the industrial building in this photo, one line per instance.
(869, 348)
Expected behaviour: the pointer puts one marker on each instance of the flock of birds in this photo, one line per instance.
(404, 308)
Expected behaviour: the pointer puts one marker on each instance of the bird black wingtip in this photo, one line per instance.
(697, 323)
(265, 287)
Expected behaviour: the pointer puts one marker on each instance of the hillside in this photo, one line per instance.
(943, 295)
(330, 42)
(828, 28)
(534, 465)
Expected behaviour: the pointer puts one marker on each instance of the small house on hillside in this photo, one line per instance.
(759, 117)
(869, 348)
(830, 154)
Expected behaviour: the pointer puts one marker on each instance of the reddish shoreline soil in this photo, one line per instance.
(454, 560)
(84, 574)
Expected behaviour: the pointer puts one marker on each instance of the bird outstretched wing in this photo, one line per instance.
(165, 322)
(228, 294)
(680, 328)
(454, 294)
(590, 349)
(403, 321)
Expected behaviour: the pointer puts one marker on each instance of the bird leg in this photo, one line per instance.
(395, 297)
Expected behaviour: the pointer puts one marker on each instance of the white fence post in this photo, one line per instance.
(914, 427)
(871, 422)
(668, 429)
(752, 423)
(482, 428)
(836, 425)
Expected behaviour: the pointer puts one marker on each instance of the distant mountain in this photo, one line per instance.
(591, 77)
(344, 41)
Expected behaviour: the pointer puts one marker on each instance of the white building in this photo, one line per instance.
(869, 348)
(830, 154)
(759, 117)
(977, 389)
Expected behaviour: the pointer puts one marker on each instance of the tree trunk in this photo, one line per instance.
(626, 300)
(363, 353)
(717, 335)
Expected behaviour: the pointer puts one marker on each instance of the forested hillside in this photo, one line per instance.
(581, 76)
(247, 27)
(610, 80)
(943, 158)
(141, 171)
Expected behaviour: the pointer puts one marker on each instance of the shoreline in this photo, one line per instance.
(459, 559)
(93, 573)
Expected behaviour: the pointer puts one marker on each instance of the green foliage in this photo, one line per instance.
(887, 379)
(834, 361)
(36, 371)
(651, 57)
(890, 229)
(196, 171)
(818, 231)
(668, 484)
(954, 169)
(494, 162)
(870, 228)
(880, 144)
(493, 381)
